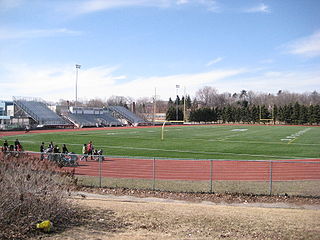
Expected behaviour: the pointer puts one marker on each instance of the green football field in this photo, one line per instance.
(246, 142)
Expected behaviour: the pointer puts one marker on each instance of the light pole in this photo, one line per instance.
(77, 68)
(177, 104)
(154, 105)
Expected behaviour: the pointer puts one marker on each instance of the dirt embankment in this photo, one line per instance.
(125, 217)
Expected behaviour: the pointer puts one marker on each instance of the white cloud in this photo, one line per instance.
(58, 82)
(273, 81)
(308, 46)
(36, 33)
(90, 6)
(263, 8)
(166, 85)
(214, 61)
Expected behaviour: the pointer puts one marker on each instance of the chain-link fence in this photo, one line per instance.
(292, 177)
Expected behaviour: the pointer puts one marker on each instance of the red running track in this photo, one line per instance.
(200, 170)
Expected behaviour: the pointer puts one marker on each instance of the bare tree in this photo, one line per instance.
(143, 105)
(99, 103)
(207, 96)
(117, 101)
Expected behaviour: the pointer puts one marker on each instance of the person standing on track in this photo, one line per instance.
(5, 146)
(84, 152)
(65, 149)
(42, 151)
(90, 149)
(16, 144)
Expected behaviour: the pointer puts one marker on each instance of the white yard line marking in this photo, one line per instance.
(294, 136)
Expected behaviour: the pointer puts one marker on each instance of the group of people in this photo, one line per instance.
(12, 147)
(88, 149)
(53, 148)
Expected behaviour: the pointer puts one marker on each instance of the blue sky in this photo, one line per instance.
(131, 47)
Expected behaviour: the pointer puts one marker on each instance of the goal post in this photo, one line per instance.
(266, 119)
(163, 125)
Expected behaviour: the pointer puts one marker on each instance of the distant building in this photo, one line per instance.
(157, 117)
(6, 112)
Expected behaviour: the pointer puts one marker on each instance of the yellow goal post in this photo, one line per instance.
(163, 125)
(266, 119)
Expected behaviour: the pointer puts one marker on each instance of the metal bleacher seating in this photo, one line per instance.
(40, 112)
(128, 115)
(91, 120)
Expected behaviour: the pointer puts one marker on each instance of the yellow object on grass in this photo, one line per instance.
(45, 225)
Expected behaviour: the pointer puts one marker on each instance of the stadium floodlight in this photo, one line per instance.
(177, 104)
(77, 68)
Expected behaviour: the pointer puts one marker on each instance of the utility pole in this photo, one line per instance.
(154, 105)
(77, 68)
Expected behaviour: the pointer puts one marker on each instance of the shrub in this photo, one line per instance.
(31, 190)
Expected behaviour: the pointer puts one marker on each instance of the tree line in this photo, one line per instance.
(287, 114)
(247, 107)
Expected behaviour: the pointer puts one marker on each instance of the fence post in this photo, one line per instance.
(100, 172)
(211, 175)
(270, 180)
(154, 174)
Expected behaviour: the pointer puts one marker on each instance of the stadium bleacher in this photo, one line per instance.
(129, 116)
(77, 116)
(40, 112)
(92, 120)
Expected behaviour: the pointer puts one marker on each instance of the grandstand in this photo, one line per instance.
(91, 117)
(33, 112)
(126, 116)
(39, 112)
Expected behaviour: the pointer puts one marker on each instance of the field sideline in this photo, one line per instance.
(233, 142)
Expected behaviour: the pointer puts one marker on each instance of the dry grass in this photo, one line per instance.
(30, 191)
(124, 220)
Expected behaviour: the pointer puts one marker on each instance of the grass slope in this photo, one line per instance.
(201, 142)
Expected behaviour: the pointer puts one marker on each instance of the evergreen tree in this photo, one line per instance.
(188, 102)
(237, 114)
(317, 114)
(296, 113)
(171, 114)
(177, 101)
(275, 112)
(245, 114)
(288, 112)
(303, 114)
(311, 115)
(182, 101)
(264, 113)
(254, 114)
(229, 114)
